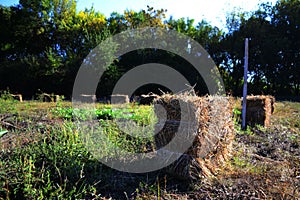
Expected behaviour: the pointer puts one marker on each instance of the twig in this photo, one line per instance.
(8, 125)
(267, 159)
(8, 116)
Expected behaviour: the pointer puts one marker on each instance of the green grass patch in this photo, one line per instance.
(56, 166)
(140, 114)
(61, 159)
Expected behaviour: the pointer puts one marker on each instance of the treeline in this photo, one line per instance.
(43, 43)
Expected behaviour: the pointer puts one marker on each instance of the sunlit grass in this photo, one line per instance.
(61, 159)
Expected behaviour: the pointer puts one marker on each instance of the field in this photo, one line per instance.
(43, 157)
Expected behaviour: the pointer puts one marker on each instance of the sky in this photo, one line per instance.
(213, 11)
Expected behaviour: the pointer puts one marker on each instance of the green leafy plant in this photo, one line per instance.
(65, 113)
(237, 115)
(6, 95)
(2, 132)
(57, 166)
(106, 114)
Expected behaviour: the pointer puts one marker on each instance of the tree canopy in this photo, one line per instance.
(44, 42)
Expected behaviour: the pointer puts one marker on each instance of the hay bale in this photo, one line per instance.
(119, 99)
(186, 167)
(147, 99)
(17, 97)
(259, 110)
(87, 98)
(56, 98)
(209, 119)
(46, 97)
(49, 97)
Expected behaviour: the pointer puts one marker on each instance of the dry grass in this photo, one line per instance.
(265, 162)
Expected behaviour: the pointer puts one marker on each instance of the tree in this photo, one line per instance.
(285, 18)
(44, 42)
(274, 49)
(47, 40)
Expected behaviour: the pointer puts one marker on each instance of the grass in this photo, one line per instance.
(43, 156)
(51, 167)
(142, 115)
(288, 115)
(55, 163)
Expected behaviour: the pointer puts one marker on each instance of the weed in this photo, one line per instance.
(106, 114)
(61, 160)
(6, 95)
(54, 167)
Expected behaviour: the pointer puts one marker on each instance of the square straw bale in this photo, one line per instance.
(119, 99)
(209, 120)
(259, 110)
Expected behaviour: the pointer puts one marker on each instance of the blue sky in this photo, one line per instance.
(213, 11)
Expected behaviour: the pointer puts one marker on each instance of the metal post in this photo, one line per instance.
(245, 84)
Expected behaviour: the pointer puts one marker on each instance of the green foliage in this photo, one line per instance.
(105, 114)
(274, 35)
(6, 95)
(142, 115)
(116, 134)
(43, 43)
(3, 132)
(237, 113)
(58, 166)
(7, 103)
(53, 162)
(65, 113)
